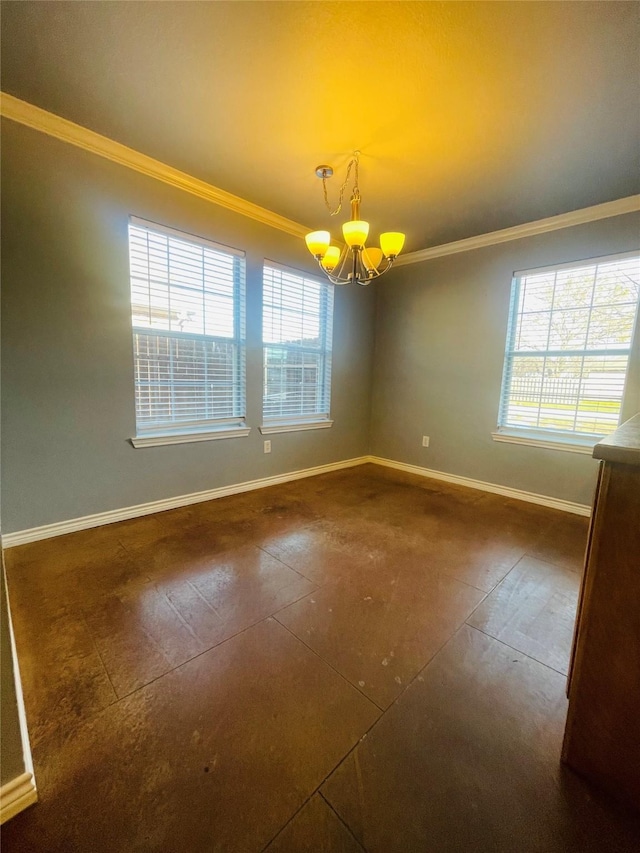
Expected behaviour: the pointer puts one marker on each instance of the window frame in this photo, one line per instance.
(304, 421)
(197, 429)
(565, 440)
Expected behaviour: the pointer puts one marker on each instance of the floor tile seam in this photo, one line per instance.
(342, 821)
(316, 790)
(505, 575)
(331, 666)
(482, 600)
(157, 581)
(70, 727)
(96, 712)
(555, 565)
(549, 526)
(410, 682)
(441, 573)
(273, 615)
(501, 581)
(154, 642)
(136, 561)
(176, 610)
(216, 554)
(284, 563)
(119, 699)
(468, 585)
(516, 564)
(99, 653)
(198, 655)
(518, 651)
(427, 664)
(130, 553)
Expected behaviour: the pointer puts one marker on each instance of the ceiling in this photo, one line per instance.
(470, 117)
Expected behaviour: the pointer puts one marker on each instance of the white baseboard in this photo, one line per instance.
(505, 491)
(16, 795)
(47, 531)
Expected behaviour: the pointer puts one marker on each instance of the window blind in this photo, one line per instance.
(188, 317)
(297, 337)
(568, 346)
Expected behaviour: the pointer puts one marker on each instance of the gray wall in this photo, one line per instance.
(440, 338)
(68, 407)
(68, 402)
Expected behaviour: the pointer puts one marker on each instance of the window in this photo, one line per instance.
(297, 325)
(568, 347)
(187, 306)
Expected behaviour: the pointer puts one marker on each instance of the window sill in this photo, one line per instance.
(570, 444)
(210, 434)
(294, 426)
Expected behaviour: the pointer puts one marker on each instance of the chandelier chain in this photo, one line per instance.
(353, 263)
(355, 161)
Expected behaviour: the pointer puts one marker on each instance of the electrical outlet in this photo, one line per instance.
(267, 446)
(425, 441)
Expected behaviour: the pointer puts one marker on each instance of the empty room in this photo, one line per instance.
(295, 559)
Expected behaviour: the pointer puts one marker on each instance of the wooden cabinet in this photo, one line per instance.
(602, 736)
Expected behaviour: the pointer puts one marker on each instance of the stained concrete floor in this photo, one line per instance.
(360, 660)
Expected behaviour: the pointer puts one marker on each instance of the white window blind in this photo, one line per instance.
(188, 309)
(297, 335)
(568, 347)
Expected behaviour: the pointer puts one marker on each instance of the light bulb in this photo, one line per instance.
(355, 233)
(372, 258)
(318, 242)
(331, 258)
(391, 243)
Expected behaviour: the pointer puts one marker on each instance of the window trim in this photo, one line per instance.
(205, 429)
(158, 439)
(294, 425)
(181, 235)
(549, 439)
(298, 423)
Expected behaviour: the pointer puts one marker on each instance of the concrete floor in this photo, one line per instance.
(361, 660)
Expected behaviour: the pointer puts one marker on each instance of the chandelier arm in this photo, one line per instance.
(358, 273)
(336, 279)
(343, 261)
(386, 267)
(351, 266)
(335, 275)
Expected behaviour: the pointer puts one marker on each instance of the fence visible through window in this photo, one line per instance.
(568, 346)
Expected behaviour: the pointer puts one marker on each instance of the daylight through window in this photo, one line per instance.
(297, 334)
(187, 304)
(568, 347)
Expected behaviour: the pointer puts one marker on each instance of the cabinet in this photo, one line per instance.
(602, 735)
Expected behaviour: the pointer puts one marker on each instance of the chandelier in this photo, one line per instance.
(355, 263)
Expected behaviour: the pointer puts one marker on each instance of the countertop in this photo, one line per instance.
(623, 445)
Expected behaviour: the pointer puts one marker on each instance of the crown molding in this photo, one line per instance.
(74, 134)
(630, 204)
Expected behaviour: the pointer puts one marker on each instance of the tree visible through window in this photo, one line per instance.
(187, 305)
(568, 346)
